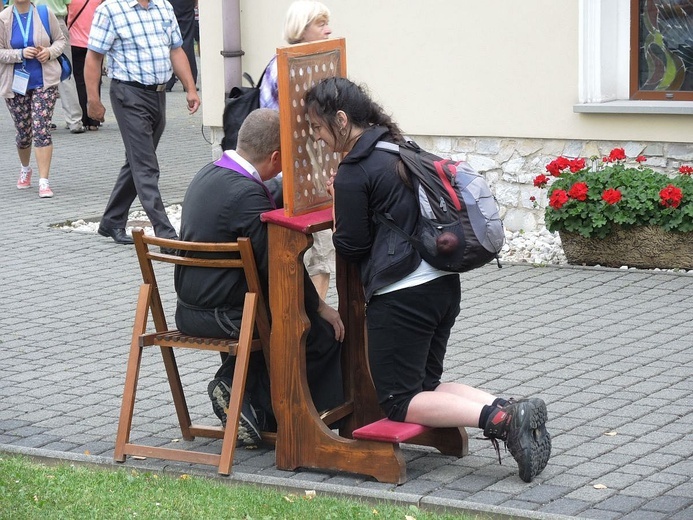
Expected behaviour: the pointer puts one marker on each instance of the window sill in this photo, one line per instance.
(636, 107)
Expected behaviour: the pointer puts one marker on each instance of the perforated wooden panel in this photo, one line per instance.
(306, 164)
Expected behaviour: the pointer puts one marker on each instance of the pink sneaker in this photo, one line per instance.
(24, 180)
(45, 191)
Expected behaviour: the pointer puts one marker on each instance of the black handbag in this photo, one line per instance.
(241, 102)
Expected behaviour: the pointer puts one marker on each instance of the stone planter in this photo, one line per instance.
(645, 247)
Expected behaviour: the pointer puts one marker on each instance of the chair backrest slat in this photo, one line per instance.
(223, 263)
(245, 260)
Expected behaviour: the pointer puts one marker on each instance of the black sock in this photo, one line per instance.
(486, 412)
(499, 402)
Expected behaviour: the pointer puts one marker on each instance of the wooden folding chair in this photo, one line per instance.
(254, 316)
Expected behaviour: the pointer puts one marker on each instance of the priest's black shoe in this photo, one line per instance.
(118, 235)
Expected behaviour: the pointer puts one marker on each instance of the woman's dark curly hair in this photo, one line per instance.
(331, 95)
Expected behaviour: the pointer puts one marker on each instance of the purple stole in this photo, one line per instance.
(227, 162)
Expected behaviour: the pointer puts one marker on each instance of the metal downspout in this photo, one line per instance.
(231, 16)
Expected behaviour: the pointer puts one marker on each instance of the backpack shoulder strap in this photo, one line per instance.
(250, 80)
(43, 14)
(389, 147)
(386, 219)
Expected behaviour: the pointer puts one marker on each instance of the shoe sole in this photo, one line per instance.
(23, 187)
(531, 445)
(541, 449)
(45, 195)
(219, 395)
(248, 433)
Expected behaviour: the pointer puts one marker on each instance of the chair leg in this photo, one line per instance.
(240, 375)
(177, 392)
(132, 374)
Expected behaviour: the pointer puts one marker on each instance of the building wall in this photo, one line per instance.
(502, 68)
(471, 77)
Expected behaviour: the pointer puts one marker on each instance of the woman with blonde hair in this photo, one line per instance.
(306, 21)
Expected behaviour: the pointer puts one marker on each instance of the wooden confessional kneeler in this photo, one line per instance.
(304, 438)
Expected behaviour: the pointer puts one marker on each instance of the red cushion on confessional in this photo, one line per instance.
(386, 430)
(302, 223)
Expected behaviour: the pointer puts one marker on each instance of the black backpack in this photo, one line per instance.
(459, 226)
(241, 102)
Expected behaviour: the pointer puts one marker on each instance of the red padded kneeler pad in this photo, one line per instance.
(386, 430)
(302, 223)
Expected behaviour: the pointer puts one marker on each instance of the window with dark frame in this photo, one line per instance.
(661, 50)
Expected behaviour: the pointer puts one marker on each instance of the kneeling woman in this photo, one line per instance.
(411, 306)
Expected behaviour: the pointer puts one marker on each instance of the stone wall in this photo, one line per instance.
(510, 166)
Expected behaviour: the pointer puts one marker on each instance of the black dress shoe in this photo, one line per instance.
(118, 235)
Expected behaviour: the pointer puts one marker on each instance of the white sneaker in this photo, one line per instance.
(77, 128)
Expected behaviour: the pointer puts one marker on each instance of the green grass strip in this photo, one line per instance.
(32, 490)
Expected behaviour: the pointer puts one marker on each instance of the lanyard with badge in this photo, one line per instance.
(20, 82)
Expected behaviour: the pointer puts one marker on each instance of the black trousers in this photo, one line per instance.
(323, 357)
(185, 15)
(408, 332)
(78, 56)
(141, 116)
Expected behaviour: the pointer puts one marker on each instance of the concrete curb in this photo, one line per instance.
(437, 504)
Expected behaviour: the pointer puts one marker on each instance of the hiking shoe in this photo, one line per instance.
(541, 435)
(248, 430)
(24, 180)
(77, 128)
(521, 425)
(219, 394)
(45, 191)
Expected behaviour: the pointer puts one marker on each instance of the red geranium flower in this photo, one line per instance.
(540, 180)
(554, 168)
(559, 164)
(686, 170)
(577, 164)
(578, 191)
(670, 196)
(562, 163)
(557, 199)
(611, 196)
(641, 159)
(617, 154)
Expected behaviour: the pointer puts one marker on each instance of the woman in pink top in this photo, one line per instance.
(79, 16)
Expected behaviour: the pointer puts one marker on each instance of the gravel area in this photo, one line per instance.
(532, 247)
(536, 247)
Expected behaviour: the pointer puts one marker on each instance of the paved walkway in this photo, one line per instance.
(609, 350)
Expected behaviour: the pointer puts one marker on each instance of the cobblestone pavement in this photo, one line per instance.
(610, 351)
